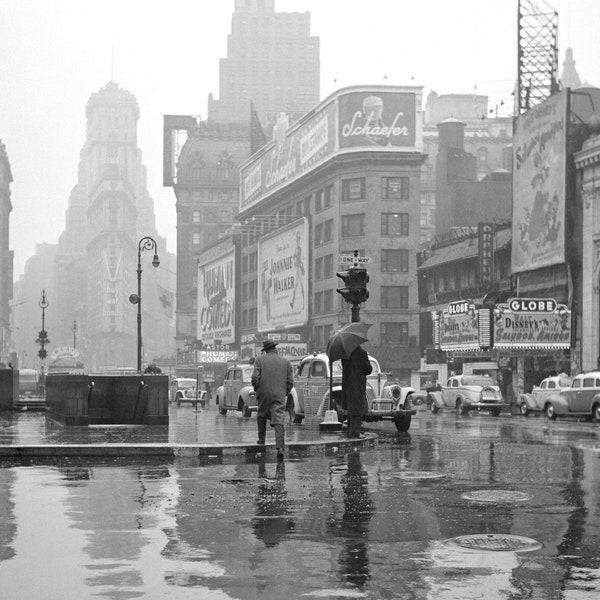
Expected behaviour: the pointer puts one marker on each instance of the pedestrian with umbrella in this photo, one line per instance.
(345, 344)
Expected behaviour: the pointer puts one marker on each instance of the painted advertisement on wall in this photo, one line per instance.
(283, 278)
(216, 299)
(459, 326)
(532, 323)
(539, 185)
(377, 119)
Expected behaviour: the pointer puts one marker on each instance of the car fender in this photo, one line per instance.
(528, 400)
(561, 407)
(437, 399)
(248, 395)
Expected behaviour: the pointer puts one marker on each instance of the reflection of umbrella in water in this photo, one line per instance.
(343, 343)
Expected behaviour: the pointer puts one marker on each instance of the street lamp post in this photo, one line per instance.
(146, 243)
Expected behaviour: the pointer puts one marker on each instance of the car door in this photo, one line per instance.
(575, 395)
(228, 388)
(583, 399)
(542, 392)
(449, 394)
(301, 382)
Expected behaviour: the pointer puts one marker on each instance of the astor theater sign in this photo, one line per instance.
(532, 323)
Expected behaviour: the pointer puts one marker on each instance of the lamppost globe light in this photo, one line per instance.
(146, 243)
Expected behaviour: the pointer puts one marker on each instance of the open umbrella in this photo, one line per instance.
(346, 339)
(343, 343)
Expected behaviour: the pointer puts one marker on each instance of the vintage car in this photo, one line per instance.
(465, 393)
(237, 392)
(581, 399)
(183, 389)
(536, 399)
(390, 402)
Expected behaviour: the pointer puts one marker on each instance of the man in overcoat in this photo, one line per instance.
(354, 388)
(272, 380)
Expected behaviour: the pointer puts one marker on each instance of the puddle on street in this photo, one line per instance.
(343, 526)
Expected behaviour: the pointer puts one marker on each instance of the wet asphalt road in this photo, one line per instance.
(416, 515)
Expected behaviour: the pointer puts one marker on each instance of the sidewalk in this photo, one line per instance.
(204, 432)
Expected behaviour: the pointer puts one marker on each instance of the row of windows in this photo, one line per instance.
(392, 188)
(390, 334)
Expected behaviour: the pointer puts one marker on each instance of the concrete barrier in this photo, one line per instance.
(74, 399)
(9, 388)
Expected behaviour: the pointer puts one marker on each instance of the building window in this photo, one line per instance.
(328, 301)
(252, 290)
(252, 317)
(211, 214)
(328, 198)
(394, 334)
(244, 292)
(394, 261)
(394, 296)
(196, 238)
(245, 263)
(319, 201)
(319, 234)
(328, 266)
(394, 224)
(244, 318)
(318, 337)
(328, 233)
(353, 225)
(318, 303)
(318, 268)
(353, 189)
(195, 216)
(252, 262)
(395, 188)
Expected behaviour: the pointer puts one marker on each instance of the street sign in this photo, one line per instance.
(350, 259)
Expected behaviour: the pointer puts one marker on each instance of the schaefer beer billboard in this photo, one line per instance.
(283, 278)
(216, 299)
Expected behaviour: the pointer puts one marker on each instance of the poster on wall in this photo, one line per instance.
(283, 278)
(459, 326)
(539, 185)
(216, 300)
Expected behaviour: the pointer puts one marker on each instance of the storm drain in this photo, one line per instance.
(496, 542)
(418, 475)
(497, 496)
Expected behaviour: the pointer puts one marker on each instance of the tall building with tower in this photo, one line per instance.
(272, 61)
(272, 67)
(109, 211)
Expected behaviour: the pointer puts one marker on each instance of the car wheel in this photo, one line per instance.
(222, 411)
(495, 412)
(246, 411)
(297, 419)
(524, 409)
(596, 413)
(178, 400)
(403, 423)
(549, 410)
(434, 408)
(460, 409)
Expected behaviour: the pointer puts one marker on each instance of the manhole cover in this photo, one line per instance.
(415, 475)
(497, 496)
(496, 542)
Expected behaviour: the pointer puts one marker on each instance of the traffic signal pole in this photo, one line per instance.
(355, 290)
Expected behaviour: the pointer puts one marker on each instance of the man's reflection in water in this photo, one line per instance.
(271, 524)
(358, 508)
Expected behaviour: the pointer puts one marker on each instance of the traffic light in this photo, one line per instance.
(42, 353)
(355, 285)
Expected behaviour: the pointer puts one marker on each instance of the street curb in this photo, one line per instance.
(125, 450)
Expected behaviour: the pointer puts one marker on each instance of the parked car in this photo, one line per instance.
(536, 399)
(464, 393)
(581, 399)
(183, 389)
(237, 392)
(385, 401)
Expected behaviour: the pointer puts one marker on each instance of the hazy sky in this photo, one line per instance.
(55, 53)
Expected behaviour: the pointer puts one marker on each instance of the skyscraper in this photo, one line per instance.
(272, 61)
(6, 255)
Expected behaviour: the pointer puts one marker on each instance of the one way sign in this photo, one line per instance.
(350, 259)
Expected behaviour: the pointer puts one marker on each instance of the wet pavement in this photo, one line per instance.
(456, 508)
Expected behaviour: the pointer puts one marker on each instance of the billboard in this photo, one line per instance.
(283, 278)
(369, 118)
(462, 326)
(539, 185)
(377, 119)
(216, 299)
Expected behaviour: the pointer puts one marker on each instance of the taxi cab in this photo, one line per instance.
(237, 392)
(313, 377)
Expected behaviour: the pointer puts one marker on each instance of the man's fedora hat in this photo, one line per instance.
(268, 344)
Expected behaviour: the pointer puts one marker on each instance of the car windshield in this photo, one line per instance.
(247, 372)
(186, 383)
(482, 380)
